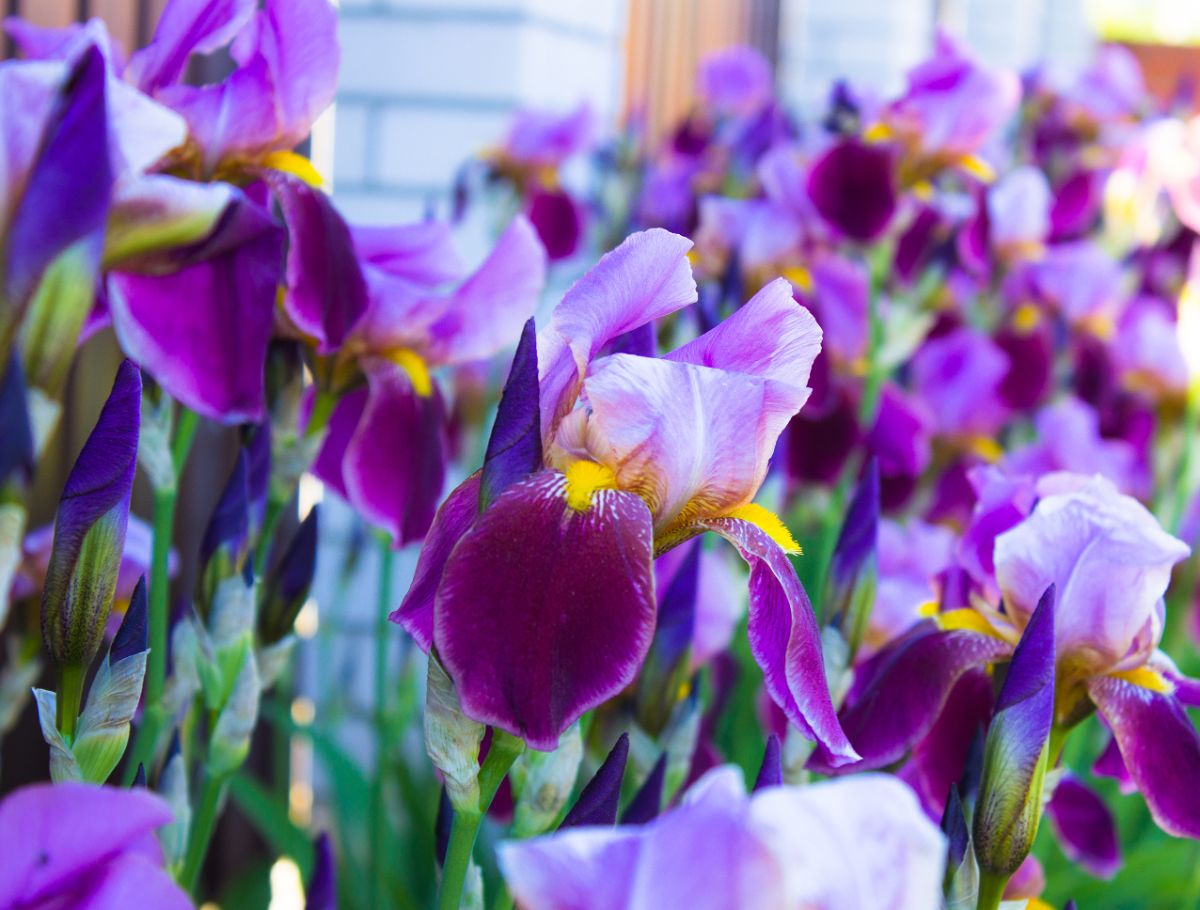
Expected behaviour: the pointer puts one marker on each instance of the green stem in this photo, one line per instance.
(70, 696)
(154, 719)
(379, 852)
(991, 890)
(1187, 459)
(504, 751)
(201, 831)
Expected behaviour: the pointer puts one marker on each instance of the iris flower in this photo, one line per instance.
(541, 604)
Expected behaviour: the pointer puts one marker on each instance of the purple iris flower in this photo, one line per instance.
(780, 846)
(542, 605)
(958, 376)
(384, 448)
(545, 139)
(952, 106)
(1082, 282)
(78, 845)
(735, 81)
(911, 557)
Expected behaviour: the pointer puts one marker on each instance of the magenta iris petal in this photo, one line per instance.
(853, 186)
(1085, 827)
(545, 612)
(209, 353)
(66, 195)
(958, 375)
(785, 640)
(421, 255)
(1110, 764)
(453, 519)
(1160, 747)
(559, 221)
(646, 277)
(394, 465)
(902, 701)
(326, 292)
(60, 842)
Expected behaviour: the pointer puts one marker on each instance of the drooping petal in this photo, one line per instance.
(693, 441)
(544, 611)
(853, 186)
(785, 640)
(453, 519)
(326, 292)
(157, 213)
(394, 465)
(905, 696)
(646, 277)
(558, 220)
(203, 330)
(1085, 827)
(1159, 746)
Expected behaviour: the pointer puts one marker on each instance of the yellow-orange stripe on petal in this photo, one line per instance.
(1146, 678)
(968, 620)
(584, 478)
(769, 523)
(978, 168)
(297, 165)
(417, 369)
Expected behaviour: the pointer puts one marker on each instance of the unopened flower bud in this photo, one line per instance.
(452, 739)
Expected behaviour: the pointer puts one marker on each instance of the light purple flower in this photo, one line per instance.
(78, 845)
(911, 556)
(1018, 209)
(736, 80)
(639, 454)
(538, 138)
(958, 376)
(856, 844)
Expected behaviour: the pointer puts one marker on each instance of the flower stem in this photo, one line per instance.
(504, 751)
(154, 717)
(1184, 486)
(378, 815)
(991, 890)
(70, 696)
(203, 822)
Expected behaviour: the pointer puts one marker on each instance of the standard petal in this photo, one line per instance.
(770, 336)
(900, 703)
(543, 611)
(186, 27)
(326, 292)
(646, 277)
(203, 331)
(454, 518)
(785, 640)
(1160, 748)
(394, 465)
(692, 440)
(420, 255)
(1085, 827)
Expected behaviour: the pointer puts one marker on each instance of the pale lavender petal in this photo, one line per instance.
(736, 80)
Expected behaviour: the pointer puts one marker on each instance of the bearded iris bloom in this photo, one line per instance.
(537, 592)
(851, 844)
(1110, 563)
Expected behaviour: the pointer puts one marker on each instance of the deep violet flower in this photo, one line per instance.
(541, 606)
(384, 447)
(781, 846)
(79, 845)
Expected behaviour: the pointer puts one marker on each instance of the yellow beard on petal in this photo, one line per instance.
(417, 369)
(767, 522)
(1146, 678)
(968, 620)
(584, 478)
(296, 165)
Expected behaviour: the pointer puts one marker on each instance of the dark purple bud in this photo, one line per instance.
(1016, 753)
(289, 581)
(442, 826)
(16, 446)
(1070, 905)
(770, 772)
(853, 187)
(89, 529)
(322, 885)
(229, 525)
(326, 291)
(954, 826)
(598, 803)
(131, 638)
(856, 542)
(258, 470)
(663, 679)
(66, 195)
(139, 777)
(514, 450)
(647, 802)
